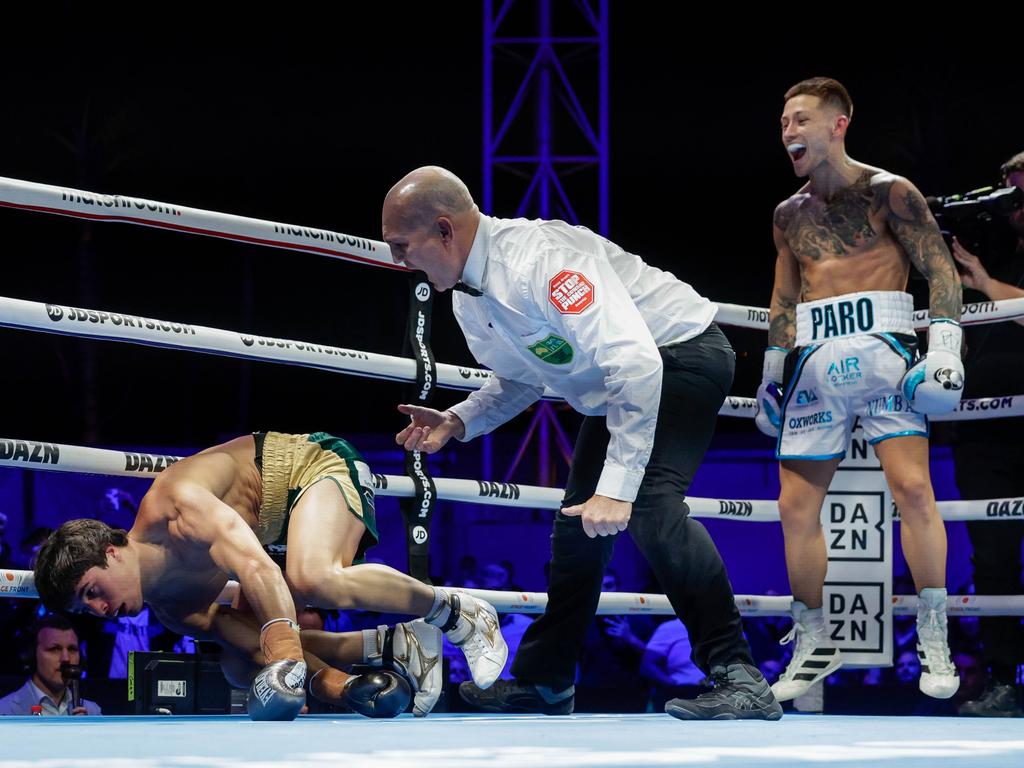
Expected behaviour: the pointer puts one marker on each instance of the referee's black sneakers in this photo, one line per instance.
(740, 693)
(514, 697)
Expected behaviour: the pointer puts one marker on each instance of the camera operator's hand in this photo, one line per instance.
(974, 275)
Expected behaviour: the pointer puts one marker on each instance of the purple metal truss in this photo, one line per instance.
(543, 60)
(522, 35)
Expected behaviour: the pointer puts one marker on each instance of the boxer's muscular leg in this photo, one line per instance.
(323, 536)
(905, 462)
(922, 532)
(804, 484)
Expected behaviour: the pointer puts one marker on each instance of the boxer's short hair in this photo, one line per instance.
(68, 553)
(830, 91)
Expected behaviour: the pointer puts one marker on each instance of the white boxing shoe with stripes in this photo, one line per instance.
(814, 656)
(473, 626)
(938, 675)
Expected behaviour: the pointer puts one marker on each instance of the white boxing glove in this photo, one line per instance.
(768, 413)
(935, 383)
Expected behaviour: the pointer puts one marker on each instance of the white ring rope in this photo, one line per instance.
(16, 313)
(979, 313)
(56, 457)
(115, 326)
(43, 198)
(22, 584)
(64, 201)
(133, 329)
(616, 603)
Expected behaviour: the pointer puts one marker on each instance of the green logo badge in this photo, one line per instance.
(553, 349)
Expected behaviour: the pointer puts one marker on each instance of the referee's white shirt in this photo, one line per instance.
(565, 308)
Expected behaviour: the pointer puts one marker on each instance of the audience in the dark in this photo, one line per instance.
(609, 674)
(6, 556)
(667, 666)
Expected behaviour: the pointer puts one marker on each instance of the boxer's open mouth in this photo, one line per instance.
(796, 151)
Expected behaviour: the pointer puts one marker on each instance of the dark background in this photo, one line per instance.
(309, 121)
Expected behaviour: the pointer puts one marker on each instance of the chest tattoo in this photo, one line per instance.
(815, 228)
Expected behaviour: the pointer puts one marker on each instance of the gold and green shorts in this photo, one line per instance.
(291, 464)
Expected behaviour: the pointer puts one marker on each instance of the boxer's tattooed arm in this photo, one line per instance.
(784, 215)
(782, 328)
(788, 286)
(916, 231)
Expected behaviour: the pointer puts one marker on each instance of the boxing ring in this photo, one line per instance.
(514, 741)
(442, 739)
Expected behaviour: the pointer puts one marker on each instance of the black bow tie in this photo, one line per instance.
(467, 289)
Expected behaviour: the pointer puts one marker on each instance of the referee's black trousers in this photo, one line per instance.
(697, 376)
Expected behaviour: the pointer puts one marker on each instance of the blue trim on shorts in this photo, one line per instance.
(908, 433)
(789, 392)
(821, 457)
(893, 342)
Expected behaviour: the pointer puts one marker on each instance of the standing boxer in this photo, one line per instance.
(842, 347)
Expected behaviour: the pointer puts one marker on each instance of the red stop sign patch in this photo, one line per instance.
(570, 292)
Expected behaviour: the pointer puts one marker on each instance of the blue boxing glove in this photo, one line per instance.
(935, 383)
(768, 410)
(278, 692)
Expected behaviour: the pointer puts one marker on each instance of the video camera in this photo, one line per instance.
(979, 219)
(978, 203)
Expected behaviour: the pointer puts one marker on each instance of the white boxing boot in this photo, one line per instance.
(413, 649)
(814, 656)
(472, 625)
(938, 675)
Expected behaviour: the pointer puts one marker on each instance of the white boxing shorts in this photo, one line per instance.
(851, 352)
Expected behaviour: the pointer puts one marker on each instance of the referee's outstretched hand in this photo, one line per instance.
(428, 430)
